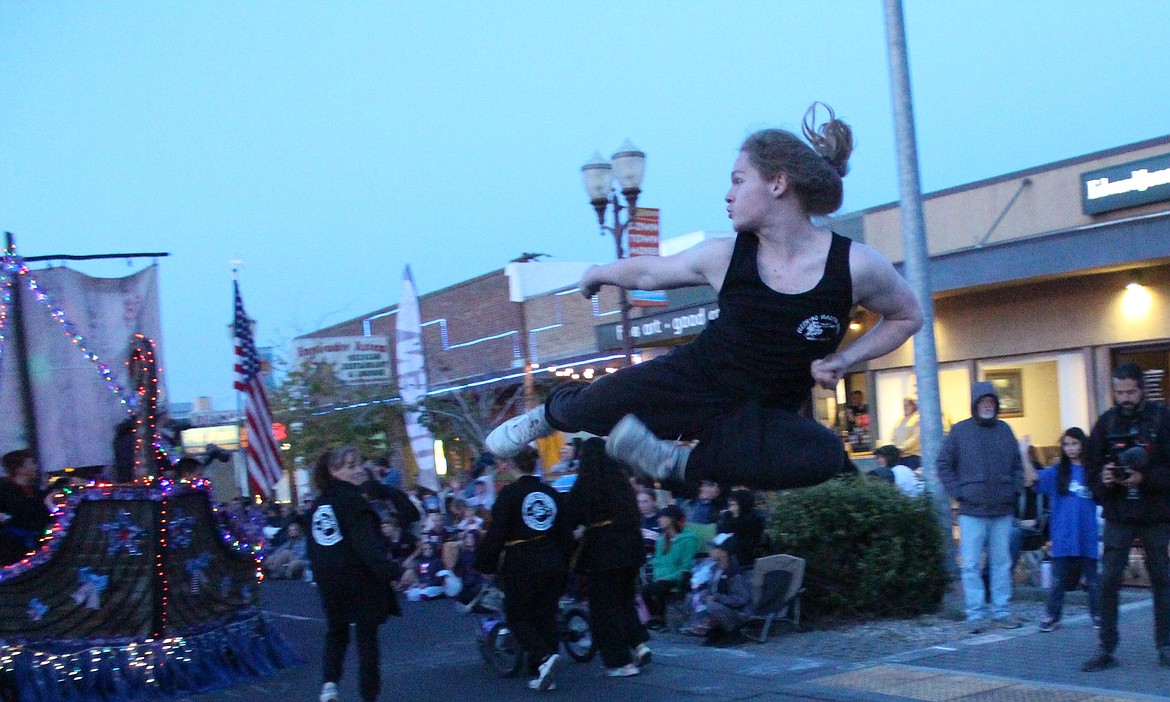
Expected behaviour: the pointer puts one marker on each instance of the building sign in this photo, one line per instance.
(1127, 185)
(654, 329)
(357, 360)
(213, 418)
(643, 235)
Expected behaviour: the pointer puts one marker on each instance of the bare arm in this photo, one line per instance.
(878, 288)
(703, 263)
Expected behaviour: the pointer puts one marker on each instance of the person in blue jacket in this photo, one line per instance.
(1072, 527)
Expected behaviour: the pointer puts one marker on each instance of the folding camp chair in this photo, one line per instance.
(777, 584)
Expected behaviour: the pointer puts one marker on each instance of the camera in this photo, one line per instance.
(1127, 453)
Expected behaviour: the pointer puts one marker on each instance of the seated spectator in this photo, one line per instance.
(471, 580)
(905, 478)
(429, 575)
(674, 557)
(705, 508)
(742, 521)
(403, 548)
(291, 558)
(648, 510)
(463, 519)
(483, 493)
(719, 606)
(24, 506)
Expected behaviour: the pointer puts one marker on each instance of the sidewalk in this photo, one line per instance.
(1021, 664)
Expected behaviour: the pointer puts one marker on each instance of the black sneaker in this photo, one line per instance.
(1049, 625)
(1101, 661)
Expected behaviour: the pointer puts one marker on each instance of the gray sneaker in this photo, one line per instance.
(633, 444)
(507, 439)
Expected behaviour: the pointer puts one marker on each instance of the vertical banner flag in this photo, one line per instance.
(643, 241)
(412, 381)
(264, 469)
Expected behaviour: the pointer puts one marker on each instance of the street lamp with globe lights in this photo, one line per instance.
(598, 176)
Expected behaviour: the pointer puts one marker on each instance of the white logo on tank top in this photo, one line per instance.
(820, 327)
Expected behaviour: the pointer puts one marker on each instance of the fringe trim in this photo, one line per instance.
(150, 669)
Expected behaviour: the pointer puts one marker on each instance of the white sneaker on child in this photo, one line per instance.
(642, 654)
(329, 693)
(546, 679)
(625, 671)
(507, 439)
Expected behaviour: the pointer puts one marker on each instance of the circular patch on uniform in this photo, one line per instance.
(325, 528)
(538, 511)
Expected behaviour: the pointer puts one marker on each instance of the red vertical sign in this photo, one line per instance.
(642, 235)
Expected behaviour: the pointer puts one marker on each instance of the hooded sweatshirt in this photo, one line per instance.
(979, 465)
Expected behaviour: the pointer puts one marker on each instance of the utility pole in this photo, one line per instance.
(917, 273)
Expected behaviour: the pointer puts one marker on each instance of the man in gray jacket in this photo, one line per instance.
(981, 469)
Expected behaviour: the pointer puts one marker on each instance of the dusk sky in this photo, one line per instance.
(329, 144)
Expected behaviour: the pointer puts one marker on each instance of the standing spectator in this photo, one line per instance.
(529, 529)
(609, 557)
(742, 521)
(674, 557)
(354, 576)
(719, 605)
(1072, 527)
(905, 478)
(24, 508)
(980, 468)
(1128, 470)
(906, 436)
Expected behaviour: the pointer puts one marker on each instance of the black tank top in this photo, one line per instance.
(763, 341)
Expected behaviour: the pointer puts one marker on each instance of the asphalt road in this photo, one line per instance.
(430, 654)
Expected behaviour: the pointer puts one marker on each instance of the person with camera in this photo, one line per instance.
(1128, 470)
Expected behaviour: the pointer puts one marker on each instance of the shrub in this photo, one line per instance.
(868, 548)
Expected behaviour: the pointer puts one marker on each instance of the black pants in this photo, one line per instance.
(533, 582)
(337, 640)
(742, 440)
(657, 594)
(613, 616)
(1118, 539)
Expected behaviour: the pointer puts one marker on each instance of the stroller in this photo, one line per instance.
(498, 646)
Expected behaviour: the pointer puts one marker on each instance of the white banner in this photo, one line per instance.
(76, 411)
(412, 380)
(357, 360)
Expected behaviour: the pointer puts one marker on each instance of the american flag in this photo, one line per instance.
(264, 469)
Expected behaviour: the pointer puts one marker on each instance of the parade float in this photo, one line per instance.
(137, 590)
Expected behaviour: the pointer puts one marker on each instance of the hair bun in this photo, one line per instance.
(833, 140)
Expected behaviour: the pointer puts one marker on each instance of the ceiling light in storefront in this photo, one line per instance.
(440, 458)
(611, 369)
(576, 376)
(588, 373)
(1136, 301)
(854, 325)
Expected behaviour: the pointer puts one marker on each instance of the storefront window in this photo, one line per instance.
(896, 386)
(1155, 364)
(1041, 396)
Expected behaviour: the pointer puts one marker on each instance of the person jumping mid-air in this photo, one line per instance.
(786, 289)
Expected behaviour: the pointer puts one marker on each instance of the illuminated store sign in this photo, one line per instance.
(653, 330)
(1127, 185)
